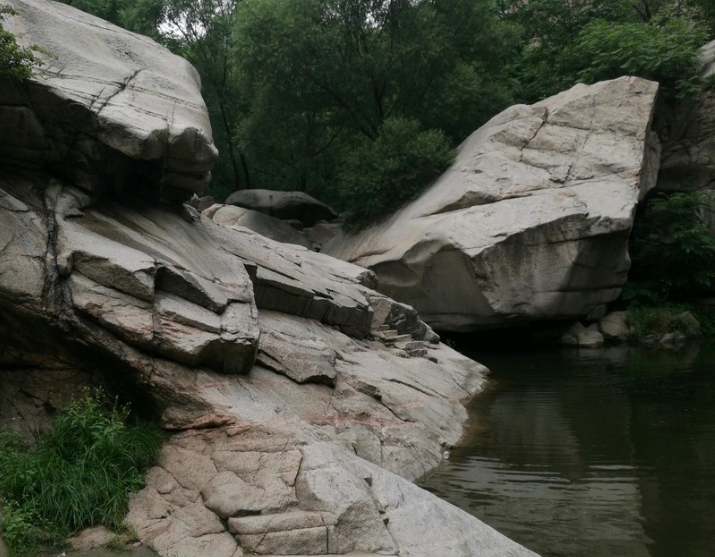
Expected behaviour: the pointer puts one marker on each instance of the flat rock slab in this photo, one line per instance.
(531, 222)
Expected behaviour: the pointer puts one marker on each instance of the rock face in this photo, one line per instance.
(531, 221)
(270, 227)
(260, 353)
(284, 205)
(297, 427)
(109, 110)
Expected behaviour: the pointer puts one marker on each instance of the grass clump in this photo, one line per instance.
(660, 320)
(114, 543)
(76, 474)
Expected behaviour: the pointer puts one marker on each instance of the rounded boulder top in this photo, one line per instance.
(103, 99)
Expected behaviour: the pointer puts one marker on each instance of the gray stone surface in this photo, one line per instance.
(270, 227)
(583, 337)
(109, 108)
(165, 307)
(289, 347)
(285, 205)
(228, 495)
(91, 538)
(532, 220)
(614, 327)
(183, 302)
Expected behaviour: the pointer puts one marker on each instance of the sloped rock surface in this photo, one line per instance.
(110, 110)
(162, 306)
(270, 227)
(284, 205)
(532, 220)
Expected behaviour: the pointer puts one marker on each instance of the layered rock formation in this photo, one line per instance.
(532, 220)
(302, 401)
(168, 311)
(109, 110)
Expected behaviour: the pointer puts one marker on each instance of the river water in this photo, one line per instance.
(602, 453)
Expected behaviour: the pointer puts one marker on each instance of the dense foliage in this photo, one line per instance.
(591, 40)
(299, 90)
(15, 61)
(672, 250)
(644, 321)
(77, 474)
(395, 166)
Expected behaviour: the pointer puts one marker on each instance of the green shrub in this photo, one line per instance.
(672, 250)
(380, 175)
(658, 320)
(663, 50)
(705, 314)
(21, 530)
(78, 473)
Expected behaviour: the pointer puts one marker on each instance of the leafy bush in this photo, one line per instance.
(644, 321)
(77, 474)
(705, 314)
(663, 50)
(381, 175)
(20, 530)
(672, 250)
(15, 61)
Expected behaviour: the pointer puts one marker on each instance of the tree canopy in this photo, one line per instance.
(303, 94)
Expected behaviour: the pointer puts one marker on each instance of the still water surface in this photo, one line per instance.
(607, 453)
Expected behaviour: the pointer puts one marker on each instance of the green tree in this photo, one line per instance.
(565, 42)
(378, 176)
(202, 32)
(109, 10)
(663, 50)
(672, 249)
(323, 77)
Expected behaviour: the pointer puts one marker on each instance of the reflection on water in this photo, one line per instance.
(607, 453)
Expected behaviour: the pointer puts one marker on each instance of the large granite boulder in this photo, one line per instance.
(532, 220)
(109, 110)
(285, 205)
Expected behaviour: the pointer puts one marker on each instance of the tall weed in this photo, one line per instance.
(78, 473)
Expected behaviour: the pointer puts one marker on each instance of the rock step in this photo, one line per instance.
(399, 339)
(389, 334)
(410, 345)
(384, 328)
(352, 554)
(266, 523)
(418, 353)
(291, 533)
